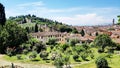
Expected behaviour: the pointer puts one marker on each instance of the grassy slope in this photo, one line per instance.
(114, 62)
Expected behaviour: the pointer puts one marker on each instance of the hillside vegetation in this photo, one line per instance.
(29, 21)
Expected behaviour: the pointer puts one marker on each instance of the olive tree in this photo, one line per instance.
(101, 62)
(102, 41)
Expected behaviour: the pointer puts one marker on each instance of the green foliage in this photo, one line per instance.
(39, 47)
(102, 41)
(19, 57)
(66, 59)
(52, 41)
(2, 15)
(79, 49)
(118, 20)
(10, 51)
(59, 62)
(74, 30)
(75, 57)
(72, 42)
(101, 62)
(11, 36)
(96, 34)
(36, 28)
(25, 51)
(64, 46)
(33, 55)
(82, 32)
(63, 28)
(84, 55)
(44, 55)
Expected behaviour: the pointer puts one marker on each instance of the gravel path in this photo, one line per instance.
(4, 62)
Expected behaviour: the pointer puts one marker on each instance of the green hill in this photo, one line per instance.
(29, 21)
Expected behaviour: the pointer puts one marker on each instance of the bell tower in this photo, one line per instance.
(113, 21)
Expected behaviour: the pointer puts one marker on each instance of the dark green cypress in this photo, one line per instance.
(36, 28)
(2, 15)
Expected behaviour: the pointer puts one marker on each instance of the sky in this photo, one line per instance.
(71, 12)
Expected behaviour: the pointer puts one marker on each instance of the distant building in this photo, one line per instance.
(61, 37)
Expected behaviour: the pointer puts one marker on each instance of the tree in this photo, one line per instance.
(101, 62)
(44, 55)
(59, 62)
(2, 15)
(27, 29)
(82, 32)
(102, 41)
(12, 36)
(96, 34)
(72, 42)
(39, 46)
(118, 20)
(74, 30)
(66, 59)
(51, 41)
(36, 28)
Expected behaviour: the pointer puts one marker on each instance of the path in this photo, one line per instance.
(25, 65)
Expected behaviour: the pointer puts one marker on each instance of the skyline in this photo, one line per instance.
(78, 12)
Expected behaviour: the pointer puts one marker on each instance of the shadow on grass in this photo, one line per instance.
(35, 60)
(78, 60)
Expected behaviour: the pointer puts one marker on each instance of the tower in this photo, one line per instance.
(113, 21)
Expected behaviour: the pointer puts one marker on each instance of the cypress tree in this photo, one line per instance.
(36, 28)
(82, 32)
(2, 15)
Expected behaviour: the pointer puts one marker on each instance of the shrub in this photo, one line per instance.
(65, 46)
(44, 55)
(92, 56)
(25, 51)
(19, 57)
(84, 56)
(100, 50)
(75, 57)
(101, 62)
(10, 51)
(58, 62)
(33, 55)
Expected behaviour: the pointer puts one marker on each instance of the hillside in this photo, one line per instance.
(44, 24)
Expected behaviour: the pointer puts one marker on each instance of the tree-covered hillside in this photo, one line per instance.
(29, 21)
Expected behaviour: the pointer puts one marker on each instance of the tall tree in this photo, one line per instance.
(2, 15)
(96, 34)
(82, 32)
(36, 28)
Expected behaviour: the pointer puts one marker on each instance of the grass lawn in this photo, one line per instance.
(37, 60)
(114, 62)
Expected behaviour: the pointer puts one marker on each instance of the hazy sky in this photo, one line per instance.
(72, 12)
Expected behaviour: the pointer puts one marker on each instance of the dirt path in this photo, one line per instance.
(25, 65)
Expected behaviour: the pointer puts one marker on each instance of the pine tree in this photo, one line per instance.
(2, 15)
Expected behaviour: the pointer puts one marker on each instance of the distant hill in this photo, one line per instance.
(44, 24)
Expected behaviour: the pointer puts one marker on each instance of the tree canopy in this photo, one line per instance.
(82, 32)
(102, 41)
(11, 36)
(118, 19)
